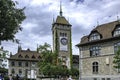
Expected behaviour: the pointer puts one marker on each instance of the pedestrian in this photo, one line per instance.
(10, 77)
(17, 77)
(1, 77)
(69, 78)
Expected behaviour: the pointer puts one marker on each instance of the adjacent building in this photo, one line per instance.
(75, 61)
(97, 50)
(24, 63)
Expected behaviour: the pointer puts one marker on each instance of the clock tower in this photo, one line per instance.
(61, 31)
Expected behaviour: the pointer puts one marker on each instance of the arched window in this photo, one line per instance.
(26, 64)
(95, 51)
(12, 63)
(116, 46)
(33, 64)
(20, 64)
(95, 67)
(20, 71)
(117, 31)
(13, 71)
(94, 36)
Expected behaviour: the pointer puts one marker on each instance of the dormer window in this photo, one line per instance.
(39, 57)
(117, 31)
(94, 36)
(20, 56)
(26, 56)
(33, 57)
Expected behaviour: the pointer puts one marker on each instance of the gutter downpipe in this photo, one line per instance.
(80, 64)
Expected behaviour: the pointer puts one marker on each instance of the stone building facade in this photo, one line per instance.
(97, 51)
(24, 63)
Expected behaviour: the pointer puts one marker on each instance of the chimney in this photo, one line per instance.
(19, 48)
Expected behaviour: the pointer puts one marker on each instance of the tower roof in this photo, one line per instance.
(61, 20)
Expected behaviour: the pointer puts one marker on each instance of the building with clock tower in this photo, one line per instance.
(61, 31)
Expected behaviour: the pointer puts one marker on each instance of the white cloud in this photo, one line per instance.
(82, 15)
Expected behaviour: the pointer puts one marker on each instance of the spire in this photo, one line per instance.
(53, 19)
(60, 9)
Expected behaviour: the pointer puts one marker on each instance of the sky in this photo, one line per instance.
(83, 15)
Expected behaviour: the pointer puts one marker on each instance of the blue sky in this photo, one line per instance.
(84, 15)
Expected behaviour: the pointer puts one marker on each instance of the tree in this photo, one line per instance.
(3, 56)
(50, 65)
(10, 19)
(74, 72)
(116, 60)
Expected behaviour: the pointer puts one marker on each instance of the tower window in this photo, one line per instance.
(95, 67)
(95, 51)
(63, 34)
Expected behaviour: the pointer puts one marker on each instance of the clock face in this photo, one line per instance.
(64, 41)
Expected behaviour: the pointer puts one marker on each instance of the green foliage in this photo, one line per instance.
(74, 72)
(3, 70)
(10, 19)
(71, 56)
(4, 54)
(56, 42)
(44, 48)
(116, 60)
(48, 66)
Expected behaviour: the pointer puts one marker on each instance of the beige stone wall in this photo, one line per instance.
(104, 69)
(107, 51)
